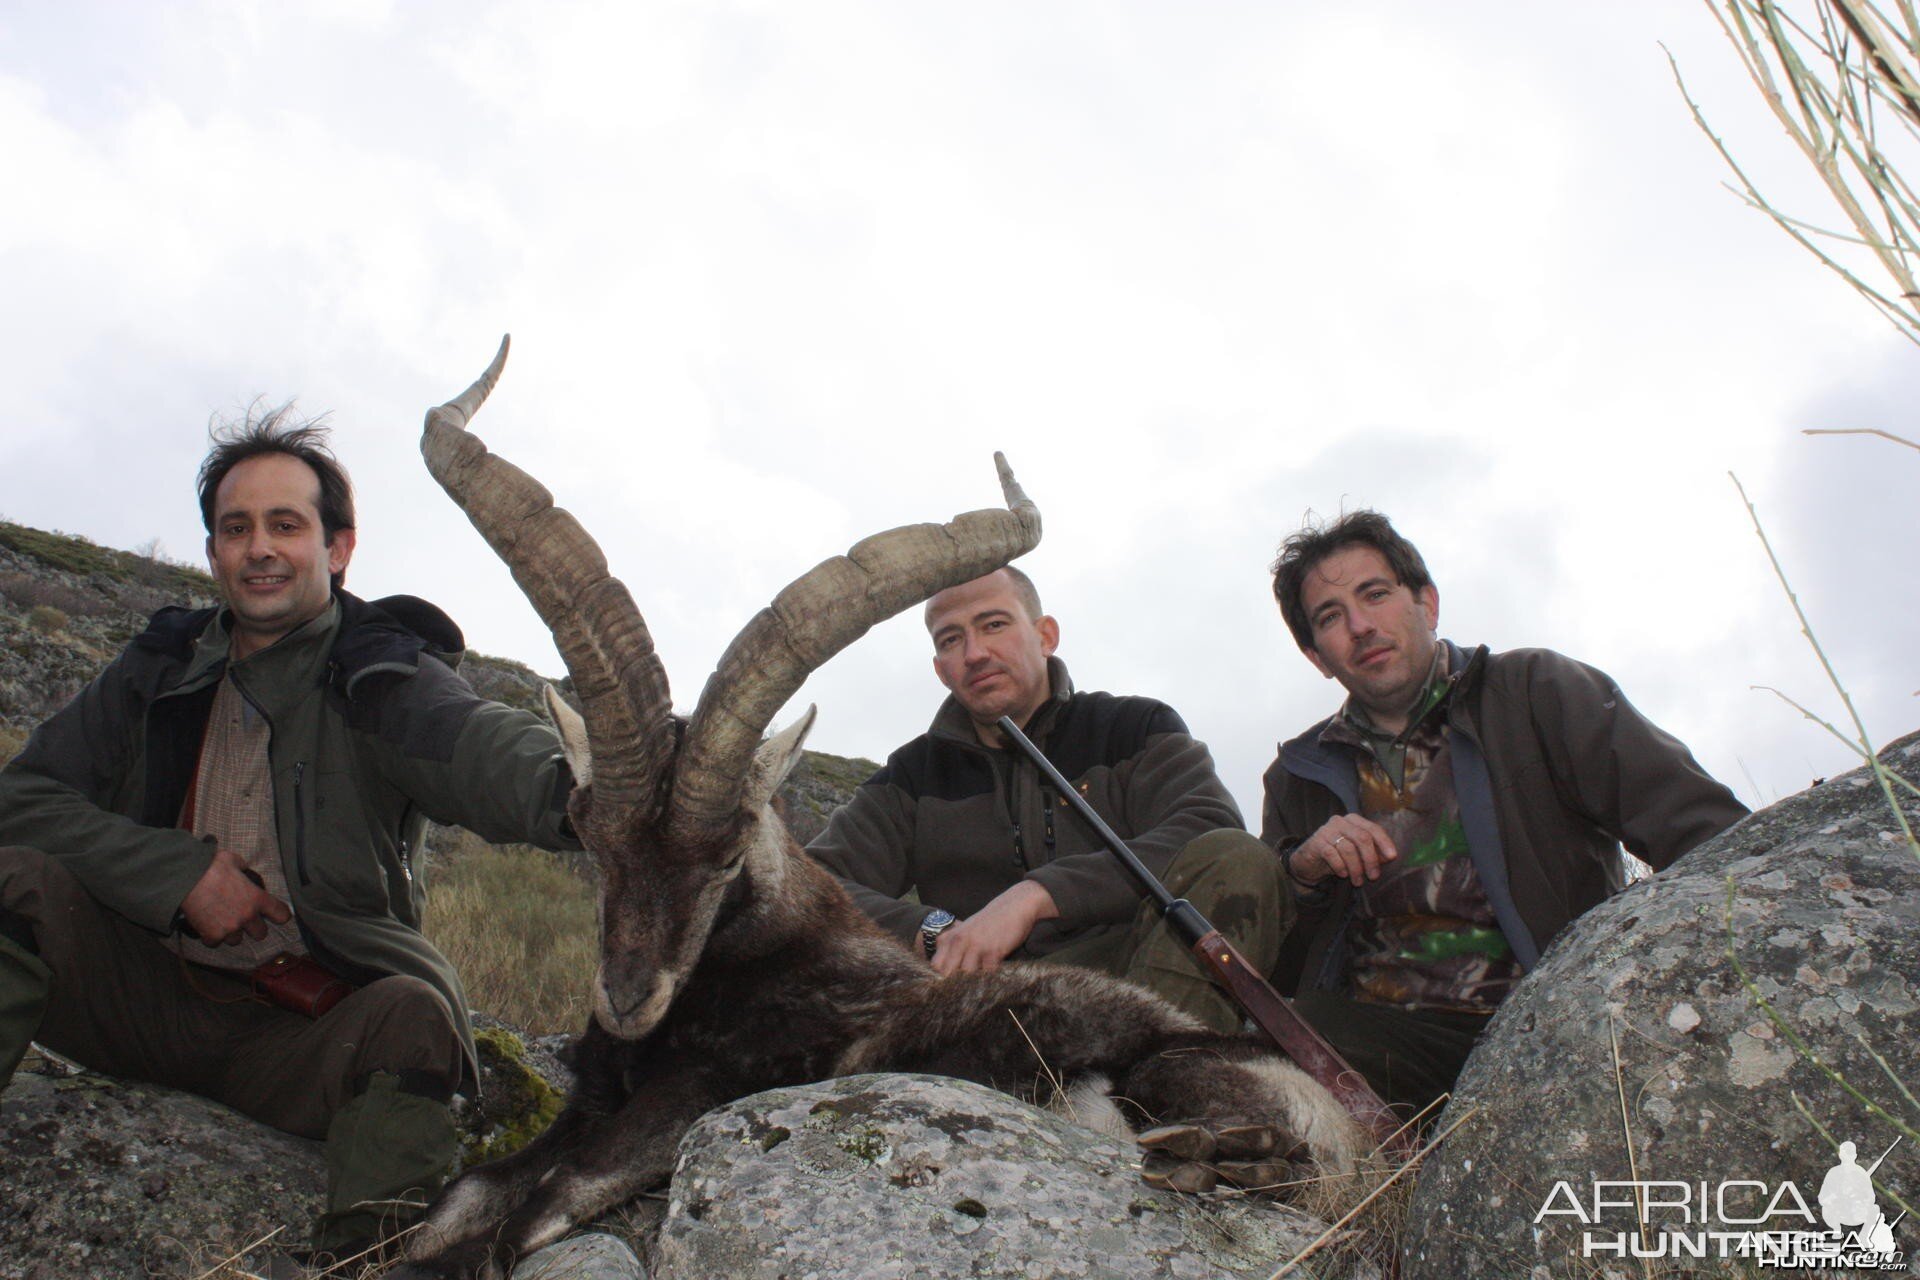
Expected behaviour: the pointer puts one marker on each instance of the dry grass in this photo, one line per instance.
(11, 740)
(519, 925)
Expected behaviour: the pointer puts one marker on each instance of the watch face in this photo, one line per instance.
(937, 919)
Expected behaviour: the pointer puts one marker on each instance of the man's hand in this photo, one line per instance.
(225, 903)
(1347, 846)
(995, 931)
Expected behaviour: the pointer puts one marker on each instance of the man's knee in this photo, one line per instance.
(1225, 861)
(400, 1024)
(44, 909)
(32, 881)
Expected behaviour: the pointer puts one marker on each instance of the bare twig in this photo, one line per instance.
(1858, 431)
(1844, 84)
(1626, 1134)
(1413, 1160)
(1849, 743)
(1059, 1089)
(1881, 773)
(243, 1251)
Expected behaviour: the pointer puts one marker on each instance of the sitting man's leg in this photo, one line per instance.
(88, 983)
(374, 1078)
(1410, 1056)
(24, 983)
(1235, 882)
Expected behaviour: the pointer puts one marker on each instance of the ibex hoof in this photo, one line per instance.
(1170, 1173)
(1197, 1156)
(1182, 1141)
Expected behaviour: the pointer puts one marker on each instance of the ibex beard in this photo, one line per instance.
(732, 963)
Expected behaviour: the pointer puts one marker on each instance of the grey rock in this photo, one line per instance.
(1824, 917)
(593, 1256)
(100, 1178)
(891, 1177)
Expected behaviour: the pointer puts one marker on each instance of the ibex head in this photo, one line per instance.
(675, 808)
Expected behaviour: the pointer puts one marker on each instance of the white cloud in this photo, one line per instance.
(780, 277)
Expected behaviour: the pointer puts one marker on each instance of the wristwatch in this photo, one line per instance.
(937, 922)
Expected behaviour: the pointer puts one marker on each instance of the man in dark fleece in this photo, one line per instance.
(961, 849)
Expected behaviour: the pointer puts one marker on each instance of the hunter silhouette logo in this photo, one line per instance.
(1849, 1207)
(1772, 1226)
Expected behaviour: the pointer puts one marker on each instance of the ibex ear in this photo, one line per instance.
(774, 759)
(573, 735)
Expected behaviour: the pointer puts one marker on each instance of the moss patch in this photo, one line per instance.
(866, 1144)
(518, 1105)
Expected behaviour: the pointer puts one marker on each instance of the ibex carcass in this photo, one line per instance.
(730, 962)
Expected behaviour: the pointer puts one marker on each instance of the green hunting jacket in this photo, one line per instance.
(373, 733)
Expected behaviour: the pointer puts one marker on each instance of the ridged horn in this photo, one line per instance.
(820, 613)
(596, 626)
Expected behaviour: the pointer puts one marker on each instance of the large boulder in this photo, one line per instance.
(101, 1178)
(1635, 1051)
(107, 1178)
(894, 1176)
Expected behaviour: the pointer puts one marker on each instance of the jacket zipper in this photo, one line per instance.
(1008, 772)
(300, 824)
(406, 846)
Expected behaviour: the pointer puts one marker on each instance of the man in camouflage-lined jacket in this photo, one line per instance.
(1460, 810)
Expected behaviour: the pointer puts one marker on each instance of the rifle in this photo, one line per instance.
(1272, 1012)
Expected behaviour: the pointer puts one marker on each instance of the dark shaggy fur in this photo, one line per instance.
(797, 985)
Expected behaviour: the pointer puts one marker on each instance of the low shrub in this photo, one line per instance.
(27, 592)
(46, 619)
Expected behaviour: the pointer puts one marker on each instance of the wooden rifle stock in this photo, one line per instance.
(1295, 1036)
(1270, 1011)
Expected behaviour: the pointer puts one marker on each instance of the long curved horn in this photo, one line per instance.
(595, 624)
(822, 612)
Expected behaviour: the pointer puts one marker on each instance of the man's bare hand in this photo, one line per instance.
(225, 903)
(995, 931)
(1348, 846)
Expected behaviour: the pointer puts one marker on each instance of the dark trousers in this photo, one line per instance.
(116, 1000)
(1236, 883)
(1410, 1057)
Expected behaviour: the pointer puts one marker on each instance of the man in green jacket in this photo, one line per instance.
(1459, 811)
(241, 793)
(960, 848)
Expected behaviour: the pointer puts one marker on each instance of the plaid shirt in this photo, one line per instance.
(233, 803)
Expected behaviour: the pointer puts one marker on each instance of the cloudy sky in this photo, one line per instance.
(780, 276)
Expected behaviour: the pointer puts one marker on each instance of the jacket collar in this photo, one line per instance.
(952, 723)
(386, 635)
(389, 635)
(1466, 668)
(282, 672)
(1311, 754)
